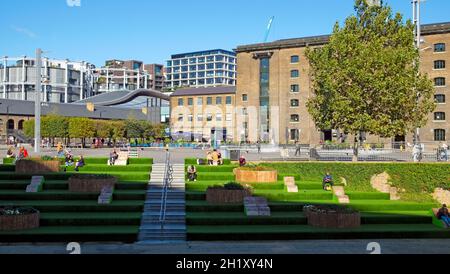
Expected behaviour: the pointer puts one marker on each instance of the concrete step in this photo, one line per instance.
(170, 228)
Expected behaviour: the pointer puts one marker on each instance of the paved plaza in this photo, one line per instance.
(403, 246)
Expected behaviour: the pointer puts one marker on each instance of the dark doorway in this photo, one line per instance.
(327, 135)
(11, 124)
(20, 125)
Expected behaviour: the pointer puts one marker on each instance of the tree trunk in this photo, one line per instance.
(355, 148)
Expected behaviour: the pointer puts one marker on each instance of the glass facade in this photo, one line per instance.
(264, 99)
(205, 68)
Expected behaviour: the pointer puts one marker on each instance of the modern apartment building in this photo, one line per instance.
(273, 85)
(203, 113)
(157, 73)
(208, 68)
(64, 81)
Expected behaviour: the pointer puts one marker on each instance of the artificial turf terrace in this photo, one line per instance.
(381, 217)
(68, 216)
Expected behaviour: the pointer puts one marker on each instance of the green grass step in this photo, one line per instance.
(96, 168)
(382, 205)
(353, 195)
(63, 185)
(239, 218)
(212, 176)
(296, 217)
(290, 232)
(212, 169)
(90, 219)
(302, 195)
(109, 233)
(78, 206)
(203, 206)
(67, 195)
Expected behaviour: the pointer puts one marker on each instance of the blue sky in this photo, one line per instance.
(152, 30)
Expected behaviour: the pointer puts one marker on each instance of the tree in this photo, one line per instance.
(133, 129)
(367, 79)
(81, 128)
(28, 128)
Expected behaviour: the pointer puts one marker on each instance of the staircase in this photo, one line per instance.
(173, 226)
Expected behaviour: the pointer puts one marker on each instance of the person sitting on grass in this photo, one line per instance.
(242, 161)
(68, 161)
(79, 163)
(327, 182)
(209, 158)
(192, 174)
(113, 156)
(10, 153)
(444, 215)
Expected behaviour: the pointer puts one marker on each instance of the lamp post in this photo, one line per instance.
(37, 106)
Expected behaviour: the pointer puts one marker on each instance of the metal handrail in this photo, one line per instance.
(168, 178)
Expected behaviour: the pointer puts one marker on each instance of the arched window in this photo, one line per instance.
(439, 134)
(439, 47)
(295, 103)
(11, 124)
(295, 118)
(20, 125)
(439, 116)
(439, 82)
(440, 98)
(439, 64)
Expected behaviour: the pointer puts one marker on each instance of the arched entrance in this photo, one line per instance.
(11, 124)
(20, 125)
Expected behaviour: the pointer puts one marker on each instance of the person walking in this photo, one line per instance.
(298, 151)
(258, 145)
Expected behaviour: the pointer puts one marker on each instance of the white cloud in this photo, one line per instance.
(25, 31)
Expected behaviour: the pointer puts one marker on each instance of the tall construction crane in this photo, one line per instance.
(269, 27)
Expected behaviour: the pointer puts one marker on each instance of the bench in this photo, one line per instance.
(256, 206)
(122, 160)
(289, 182)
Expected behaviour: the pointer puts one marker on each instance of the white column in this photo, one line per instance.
(82, 81)
(66, 88)
(5, 64)
(107, 80)
(23, 78)
(124, 78)
(47, 75)
(139, 80)
(146, 81)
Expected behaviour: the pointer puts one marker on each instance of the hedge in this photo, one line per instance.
(413, 177)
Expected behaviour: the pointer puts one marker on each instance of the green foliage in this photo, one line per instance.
(81, 128)
(367, 77)
(414, 178)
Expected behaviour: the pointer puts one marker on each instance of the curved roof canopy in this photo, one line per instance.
(122, 97)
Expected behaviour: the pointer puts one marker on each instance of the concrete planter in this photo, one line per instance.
(19, 222)
(333, 219)
(36, 166)
(255, 176)
(90, 184)
(226, 196)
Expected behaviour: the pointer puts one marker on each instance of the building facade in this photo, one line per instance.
(203, 114)
(63, 81)
(157, 73)
(209, 68)
(274, 84)
(66, 81)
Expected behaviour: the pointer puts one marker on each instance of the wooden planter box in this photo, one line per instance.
(19, 222)
(35, 166)
(226, 196)
(333, 220)
(90, 185)
(255, 176)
